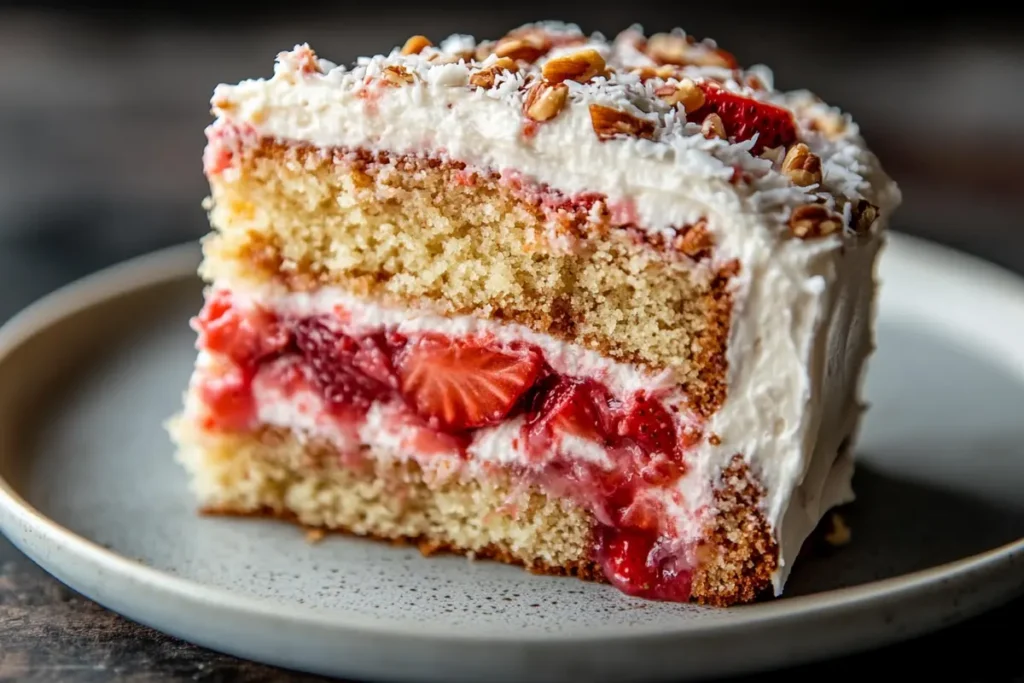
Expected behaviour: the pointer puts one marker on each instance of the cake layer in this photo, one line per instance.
(490, 515)
(423, 231)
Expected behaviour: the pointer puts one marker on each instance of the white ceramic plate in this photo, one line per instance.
(89, 489)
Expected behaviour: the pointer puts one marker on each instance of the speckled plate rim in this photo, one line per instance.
(963, 278)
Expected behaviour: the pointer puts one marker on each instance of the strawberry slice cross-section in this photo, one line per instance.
(743, 117)
(464, 384)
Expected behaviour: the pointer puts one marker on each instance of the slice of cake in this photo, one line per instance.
(599, 308)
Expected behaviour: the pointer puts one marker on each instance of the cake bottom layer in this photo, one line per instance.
(272, 472)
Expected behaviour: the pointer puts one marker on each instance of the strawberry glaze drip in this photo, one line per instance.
(450, 388)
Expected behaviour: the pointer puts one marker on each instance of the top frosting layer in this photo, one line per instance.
(669, 124)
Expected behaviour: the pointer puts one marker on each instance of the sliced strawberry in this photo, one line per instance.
(372, 359)
(347, 371)
(572, 406)
(463, 384)
(648, 423)
(743, 117)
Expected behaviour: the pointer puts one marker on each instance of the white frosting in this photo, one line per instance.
(803, 309)
(672, 180)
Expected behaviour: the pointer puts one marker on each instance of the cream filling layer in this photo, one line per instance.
(358, 316)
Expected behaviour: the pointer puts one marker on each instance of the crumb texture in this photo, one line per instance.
(425, 232)
(743, 554)
(273, 473)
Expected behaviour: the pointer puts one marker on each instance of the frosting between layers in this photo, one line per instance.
(361, 316)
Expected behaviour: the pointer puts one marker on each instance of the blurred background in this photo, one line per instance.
(102, 108)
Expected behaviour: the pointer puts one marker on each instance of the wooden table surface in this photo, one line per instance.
(100, 140)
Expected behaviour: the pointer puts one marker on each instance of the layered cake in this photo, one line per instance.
(595, 307)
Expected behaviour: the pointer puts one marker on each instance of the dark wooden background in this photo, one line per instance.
(101, 117)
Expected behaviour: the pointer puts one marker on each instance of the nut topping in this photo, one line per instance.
(696, 242)
(838, 533)
(712, 127)
(685, 93)
(396, 76)
(483, 50)
(579, 66)
(546, 100)
(415, 45)
(812, 220)
(528, 47)
(864, 215)
(831, 125)
(485, 78)
(668, 48)
(609, 123)
(647, 72)
(802, 167)
(671, 48)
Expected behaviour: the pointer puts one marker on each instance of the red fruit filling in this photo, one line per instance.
(743, 117)
(458, 384)
(450, 387)
(638, 563)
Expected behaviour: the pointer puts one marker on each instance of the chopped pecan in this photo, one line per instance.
(415, 45)
(696, 242)
(579, 66)
(668, 48)
(527, 46)
(672, 48)
(802, 167)
(812, 220)
(863, 215)
(648, 72)
(396, 76)
(545, 100)
(685, 93)
(712, 127)
(831, 125)
(485, 77)
(609, 123)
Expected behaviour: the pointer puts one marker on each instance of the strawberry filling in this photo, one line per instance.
(447, 390)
